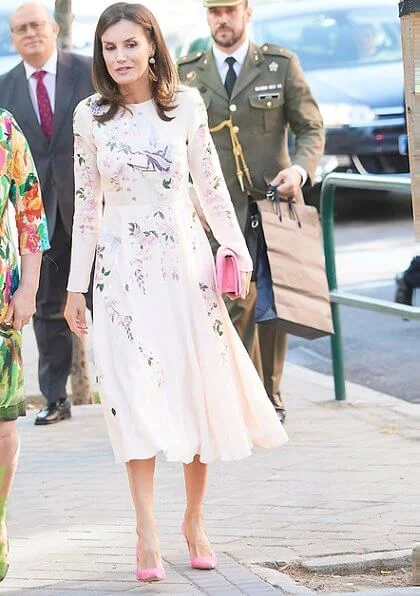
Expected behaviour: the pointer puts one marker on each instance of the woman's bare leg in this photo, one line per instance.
(9, 455)
(141, 479)
(195, 476)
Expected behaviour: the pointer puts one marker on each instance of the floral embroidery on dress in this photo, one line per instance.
(101, 271)
(194, 225)
(96, 107)
(123, 321)
(215, 200)
(106, 254)
(153, 365)
(154, 231)
(213, 311)
(148, 357)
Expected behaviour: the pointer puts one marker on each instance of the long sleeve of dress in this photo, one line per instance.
(88, 200)
(210, 185)
(25, 194)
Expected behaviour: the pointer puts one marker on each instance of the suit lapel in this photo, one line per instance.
(210, 75)
(249, 71)
(23, 109)
(64, 91)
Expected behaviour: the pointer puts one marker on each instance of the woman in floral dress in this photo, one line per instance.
(175, 377)
(19, 188)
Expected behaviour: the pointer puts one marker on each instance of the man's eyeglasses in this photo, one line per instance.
(35, 26)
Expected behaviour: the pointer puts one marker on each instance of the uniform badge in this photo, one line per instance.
(273, 67)
(191, 75)
(268, 87)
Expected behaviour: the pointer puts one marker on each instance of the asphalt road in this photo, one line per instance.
(374, 241)
(381, 352)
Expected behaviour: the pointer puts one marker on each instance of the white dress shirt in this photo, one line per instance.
(240, 56)
(50, 68)
(222, 66)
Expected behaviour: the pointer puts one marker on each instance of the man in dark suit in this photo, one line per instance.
(42, 92)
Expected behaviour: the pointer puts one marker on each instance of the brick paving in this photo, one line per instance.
(346, 484)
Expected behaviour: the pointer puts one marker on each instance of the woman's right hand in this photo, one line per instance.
(75, 313)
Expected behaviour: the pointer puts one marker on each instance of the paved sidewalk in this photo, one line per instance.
(346, 484)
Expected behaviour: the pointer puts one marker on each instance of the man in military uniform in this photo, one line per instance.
(252, 96)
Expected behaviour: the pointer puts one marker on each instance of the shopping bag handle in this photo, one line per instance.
(272, 194)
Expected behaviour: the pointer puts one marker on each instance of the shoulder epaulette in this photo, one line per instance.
(190, 58)
(272, 50)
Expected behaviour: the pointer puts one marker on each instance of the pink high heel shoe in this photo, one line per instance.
(152, 574)
(209, 562)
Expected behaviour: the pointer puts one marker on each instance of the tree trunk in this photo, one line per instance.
(64, 18)
(80, 384)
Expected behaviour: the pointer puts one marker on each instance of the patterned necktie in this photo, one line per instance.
(231, 76)
(44, 106)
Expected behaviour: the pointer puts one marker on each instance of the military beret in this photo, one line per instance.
(217, 3)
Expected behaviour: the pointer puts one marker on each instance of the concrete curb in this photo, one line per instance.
(357, 395)
(381, 592)
(281, 581)
(339, 564)
(343, 564)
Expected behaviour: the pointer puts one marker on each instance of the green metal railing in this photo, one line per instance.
(328, 192)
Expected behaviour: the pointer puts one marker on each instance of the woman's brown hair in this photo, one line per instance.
(163, 74)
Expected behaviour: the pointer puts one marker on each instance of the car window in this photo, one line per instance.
(330, 39)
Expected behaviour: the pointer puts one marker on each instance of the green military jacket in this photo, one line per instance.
(270, 94)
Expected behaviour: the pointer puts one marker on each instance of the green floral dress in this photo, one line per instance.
(19, 187)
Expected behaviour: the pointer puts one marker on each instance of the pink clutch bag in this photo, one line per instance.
(227, 272)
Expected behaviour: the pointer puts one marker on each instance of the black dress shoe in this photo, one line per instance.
(278, 404)
(52, 413)
(404, 292)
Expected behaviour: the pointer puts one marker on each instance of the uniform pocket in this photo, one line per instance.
(267, 108)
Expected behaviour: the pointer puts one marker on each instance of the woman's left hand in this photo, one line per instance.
(245, 284)
(21, 308)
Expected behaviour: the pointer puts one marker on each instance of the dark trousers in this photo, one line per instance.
(265, 343)
(52, 333)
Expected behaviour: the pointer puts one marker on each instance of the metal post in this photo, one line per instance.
(327, 216)
(328, 190)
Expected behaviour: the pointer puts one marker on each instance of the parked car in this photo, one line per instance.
(351, 54)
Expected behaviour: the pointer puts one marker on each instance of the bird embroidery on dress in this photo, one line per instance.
(154, 161)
